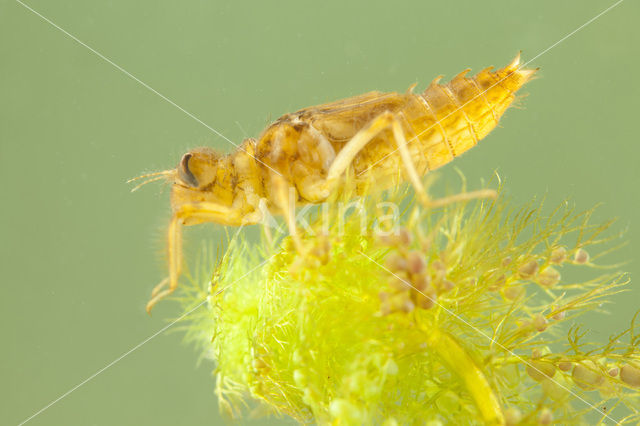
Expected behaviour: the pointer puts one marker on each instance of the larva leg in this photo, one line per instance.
(198, 212)
(361, 139)
(174, 254)
(286, 203)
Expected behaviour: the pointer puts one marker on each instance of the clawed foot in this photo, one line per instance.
(158, 293)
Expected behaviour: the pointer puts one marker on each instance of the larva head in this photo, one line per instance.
(197, 168)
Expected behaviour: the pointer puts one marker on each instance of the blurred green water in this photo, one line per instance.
(80, 253)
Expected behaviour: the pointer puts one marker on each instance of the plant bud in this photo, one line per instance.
(581, 257)
(299, 378)
(439, 268)
(528, 269)
(545, 417)
(391, 303)
(407, 306)
(404, 237)
(587, 375)
(540, 323)
(540, 370)
(428, 299)
(565, 366)
(400, 281)
(422, 282)
(259, 364)
(558, 255)
(630, 375)
(416, 262)
(514, 292)
(548, 277)
(395, 262)
(512, 416)
(446, 286)
(613, 371)
(497, 282)
(555, 389)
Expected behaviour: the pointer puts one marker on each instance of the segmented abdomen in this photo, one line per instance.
(446, 120)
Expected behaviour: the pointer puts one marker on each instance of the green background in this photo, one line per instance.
(80, 253)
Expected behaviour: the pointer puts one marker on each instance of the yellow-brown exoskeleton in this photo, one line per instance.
(302, 157)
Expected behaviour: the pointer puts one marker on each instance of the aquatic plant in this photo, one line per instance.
(461, 315)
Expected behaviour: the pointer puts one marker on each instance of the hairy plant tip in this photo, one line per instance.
(456, 316)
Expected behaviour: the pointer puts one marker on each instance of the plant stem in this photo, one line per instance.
(460, 362)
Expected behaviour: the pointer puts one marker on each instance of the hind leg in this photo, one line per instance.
(346, 156)
(285, 196)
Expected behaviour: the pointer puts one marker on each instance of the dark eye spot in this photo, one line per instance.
(185, 172)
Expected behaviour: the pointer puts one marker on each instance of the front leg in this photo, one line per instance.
(195, 213)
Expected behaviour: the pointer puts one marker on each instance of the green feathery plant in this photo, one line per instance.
(458, 316)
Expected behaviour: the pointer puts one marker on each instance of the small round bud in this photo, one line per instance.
(554, 389)
(344, 410)
(506, 261)
(559, 316)
(528, 269)
(322, 249)
(630, 375)
(587, 375)
(512, 416)
(558, 255)
(581, 257)
(540, 323)
(395, 303)
(439, 267)
(407, 306)
(416, 263)
(259, 364)
(446, 286)
(514, 292)
(395, 262)
(565, 366)
(613, 371)
(545, 417)
(548, 277)
(422, 282)
(525, 327)
(400, 281)
(536, 353)
(497, 282)
(404, 237)
(540, 370)
(299, 378)
(427, 299)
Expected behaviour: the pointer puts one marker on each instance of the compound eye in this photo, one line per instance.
(185, 173)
